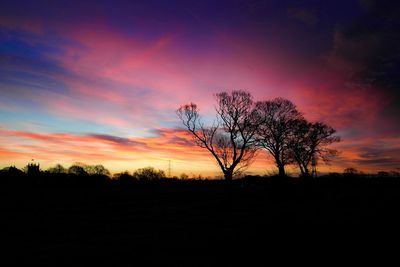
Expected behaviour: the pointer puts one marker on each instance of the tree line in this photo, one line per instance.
(81, 169)
(243, 126)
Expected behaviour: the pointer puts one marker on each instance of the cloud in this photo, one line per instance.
(379, 158)
(367, 51)
(370, 153)
(117, 140)
(179, 137)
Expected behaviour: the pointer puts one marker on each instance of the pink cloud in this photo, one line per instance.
(160, 66)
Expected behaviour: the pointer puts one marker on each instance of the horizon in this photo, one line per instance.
(99, 83)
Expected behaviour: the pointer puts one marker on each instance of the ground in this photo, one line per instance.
(114, 223)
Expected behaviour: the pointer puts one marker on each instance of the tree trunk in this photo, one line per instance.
(281, 171)
(306, 172)
(301, 169)
(228, 175)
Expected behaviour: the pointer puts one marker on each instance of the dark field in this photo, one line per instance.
(105, 222)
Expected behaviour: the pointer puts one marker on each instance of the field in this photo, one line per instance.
(111, 223)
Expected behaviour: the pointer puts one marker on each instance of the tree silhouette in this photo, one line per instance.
(231, 137)
(124, 177)
(351, 172)
(277, 120)
(96, 170)
(148, 174)
(11, 170)
(77, 170)
(58, 168)
(309, 143)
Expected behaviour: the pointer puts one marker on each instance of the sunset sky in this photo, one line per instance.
(98, 82)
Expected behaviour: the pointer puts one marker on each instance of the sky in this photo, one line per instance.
(99, 82)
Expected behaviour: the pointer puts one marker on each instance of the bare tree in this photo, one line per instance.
(277, 116)
(231, 137)
(309, 143)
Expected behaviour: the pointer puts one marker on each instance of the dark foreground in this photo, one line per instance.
(180, 223)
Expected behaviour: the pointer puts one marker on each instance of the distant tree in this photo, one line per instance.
(334, 174)
(124, 177)
(58, 168)
(273, 134)
(395, 174)
(350, 172)
(309, 142)
(200, 177)
(11, 170)
(96, 170)
(184, 176)
(77, 170)
(148, 174)
(230, 139)
(383, 174)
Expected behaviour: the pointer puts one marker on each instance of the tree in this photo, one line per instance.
(77, 169)
(278, 117)
(58, 168)
(148, 174)
(124, 177)
(96, 170)
(230, 139)
(351, 172)
(309, 143)
(184, 176)
(11, 170)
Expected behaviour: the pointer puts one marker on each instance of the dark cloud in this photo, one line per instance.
(379, 157)
(368, 49)
(117, 140)
(175, 136)
(378, 162)
(177, 140)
